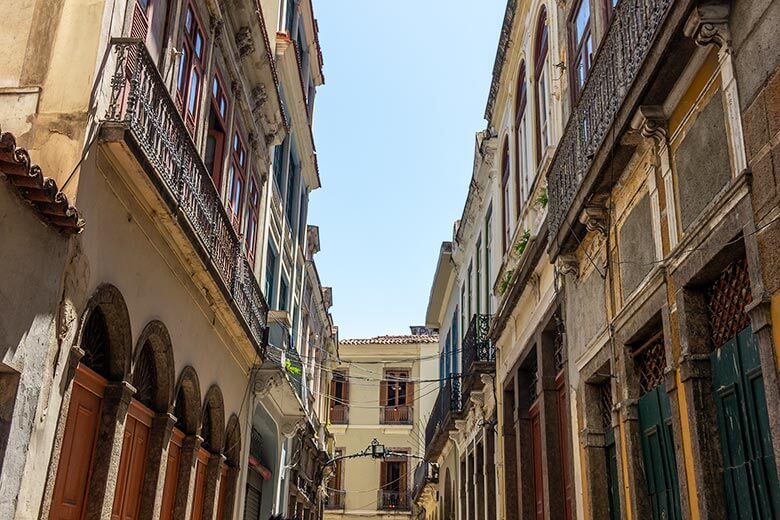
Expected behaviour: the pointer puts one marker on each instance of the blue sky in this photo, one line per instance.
(406, 83)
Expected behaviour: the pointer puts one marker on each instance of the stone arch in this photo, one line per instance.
(186, 407)
(105, 335)
(153, 368)
(232, 449)
(213, 420)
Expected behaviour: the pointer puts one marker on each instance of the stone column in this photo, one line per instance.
(701, 416)
(105, 465)
(156, 466)
(182, 506)
(213, 467)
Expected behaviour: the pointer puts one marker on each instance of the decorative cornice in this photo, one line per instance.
(568, 264)
(652, 123)
(245, 42)
(595, 215)
(501, 51)
(41, 192)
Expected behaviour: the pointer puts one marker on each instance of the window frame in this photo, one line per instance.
(506, 210)
(577, 46)
(238, 170)
(541, 77)
(189, 65)
(521, 137)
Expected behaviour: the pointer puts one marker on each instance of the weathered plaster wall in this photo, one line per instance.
(33, 259)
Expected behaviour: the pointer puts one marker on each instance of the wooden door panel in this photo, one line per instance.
(536, 445)
(223, 483)
(132, 463)
(171, 475)
(200, 484)
(78, 446)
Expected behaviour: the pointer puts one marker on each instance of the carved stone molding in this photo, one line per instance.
(245, 42)
(708, 24)
(265, 383)
(595, 214)
(653, 123)
(217, 26)
(568, 264)
(290, 428)
(259, 97)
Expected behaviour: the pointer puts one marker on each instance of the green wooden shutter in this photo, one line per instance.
(658, 450)
(750, 477)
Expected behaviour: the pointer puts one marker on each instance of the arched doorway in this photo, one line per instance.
(93, 411)
(178, 470)
(140, 459)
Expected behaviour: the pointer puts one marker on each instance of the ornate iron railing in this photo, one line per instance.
(336, 499)
(394, 501)
(625, 46)
(477, 347)
(448, 401)
(424, 473)
(142, 105)
(400, 414)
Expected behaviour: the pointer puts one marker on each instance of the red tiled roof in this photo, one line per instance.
(41, 192)
(392, 340)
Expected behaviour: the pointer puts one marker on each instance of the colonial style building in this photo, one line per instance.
(383, 389)
(635, 289)
(146, 150)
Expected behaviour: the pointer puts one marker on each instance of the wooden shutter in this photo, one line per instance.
(132, 463)
(410, 393)
(139, 27)
(200, 484)
(78, 444)
(345, 389)
(383, 387)
(171, 474)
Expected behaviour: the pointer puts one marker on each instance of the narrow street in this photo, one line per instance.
(524, 264)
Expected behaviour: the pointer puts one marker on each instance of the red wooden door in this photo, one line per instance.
(132, 463)
(171, 475)
(536, 449)
(563, 443)
(223, 485)
(78, 445)
(200, 485)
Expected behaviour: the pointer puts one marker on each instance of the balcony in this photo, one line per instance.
(479, 352)
(336, 499)
(339, 414)
(394, 501)
(425, 473)
(400, 414)
(448, 406)
(142, 118)
(579, 156)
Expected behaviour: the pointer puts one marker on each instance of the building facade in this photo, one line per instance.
(633, 295)
(383, 390)
(139, 156)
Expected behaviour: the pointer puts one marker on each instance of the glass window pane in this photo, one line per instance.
(193, 94)
(581, 21)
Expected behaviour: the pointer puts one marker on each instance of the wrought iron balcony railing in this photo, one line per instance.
(339, 414)
(394, 500)
(424, 473)
(629, 37)
(336, 499)
(477, 347)
(449, 401)
(399, 414)
(143, 107)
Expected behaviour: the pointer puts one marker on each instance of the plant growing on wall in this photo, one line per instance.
(505, 282)
(543, 198)
(291, 369)
(523, 242)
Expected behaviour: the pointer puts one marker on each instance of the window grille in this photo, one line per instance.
(145, 377)
(558, 352)
(651, 364)
(605, 404)
(533, 379)
(95, 343)
(727, 298)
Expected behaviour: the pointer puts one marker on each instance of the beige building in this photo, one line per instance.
(138, 140)
(383, 389)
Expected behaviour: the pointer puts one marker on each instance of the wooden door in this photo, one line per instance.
(223, 485)
(750, 476)
(655, 423)
(132, 463)
(171, 475)
(78, 445)
(536, 450)
(200, 484)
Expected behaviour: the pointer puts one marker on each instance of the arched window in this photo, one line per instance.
(521, 139)
(542, 90)
(505, 193)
